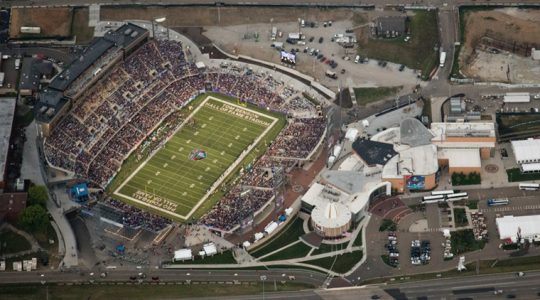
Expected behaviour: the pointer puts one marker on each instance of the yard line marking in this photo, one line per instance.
(230, 145)
(211, 118)
(222, 153)
(173, 157)
(184, 193)
(192, 185)
(196, 133)
(200, 177)
(181, 149)
(245, 129)
(157, 173)
(165, 165)
(207, 169)
(149, 181)
(203, 125)
(215, 161)
(237, 137)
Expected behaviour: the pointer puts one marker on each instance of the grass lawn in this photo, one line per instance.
(460, 217)
(11, 242)
(135, 292)
(386, 259)
(358, 240)
(388, 225)
(172, 181)
(325, 248)
(418, 53)
(79, 26)
(469, 179)
(287, 236)
(223, 258)
(342, 264)
(463, 241)
(471, 204)
(295, 251)
(516, 175)
(367, 95)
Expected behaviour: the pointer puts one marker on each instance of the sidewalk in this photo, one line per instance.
(31, 169)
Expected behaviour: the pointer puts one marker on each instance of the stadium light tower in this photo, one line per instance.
(157, 20)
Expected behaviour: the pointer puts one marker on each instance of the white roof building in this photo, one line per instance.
(527, 153)
(527, 226)
(461, 158)
(517, 98)
(464, 135)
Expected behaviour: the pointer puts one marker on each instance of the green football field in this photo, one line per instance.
(173, 181)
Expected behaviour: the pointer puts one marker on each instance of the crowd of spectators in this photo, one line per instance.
(136, 218)
(127, 104)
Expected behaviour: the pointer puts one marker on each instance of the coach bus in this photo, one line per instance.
(432, 199)
(457, 196)
(435, 193)
(529, 186)
(497, 202)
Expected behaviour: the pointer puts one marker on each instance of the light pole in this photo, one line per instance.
(263, 279)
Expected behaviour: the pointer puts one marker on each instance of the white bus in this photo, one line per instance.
(442, 192)
(457, 196)
(529, 186)
(432, 199)
(497, 202)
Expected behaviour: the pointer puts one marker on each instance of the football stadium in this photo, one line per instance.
(209, 144)
(166, 137)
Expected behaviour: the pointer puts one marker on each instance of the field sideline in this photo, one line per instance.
(169, 182)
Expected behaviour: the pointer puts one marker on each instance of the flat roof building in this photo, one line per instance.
(7, 112)
(527, 154)
(525, 227)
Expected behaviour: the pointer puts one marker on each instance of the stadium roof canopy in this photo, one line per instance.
(373, 153)
(527, 226)
(7, 112)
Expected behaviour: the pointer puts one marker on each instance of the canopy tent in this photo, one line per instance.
(210, 249)
(246, 244)
(182, 254)
(258, 236)
(271, 227)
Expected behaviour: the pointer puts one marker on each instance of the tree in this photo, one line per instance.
(34, 218)
(38, 194)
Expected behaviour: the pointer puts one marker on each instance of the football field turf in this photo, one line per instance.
(173, 181)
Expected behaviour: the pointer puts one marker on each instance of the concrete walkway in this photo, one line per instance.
(31, 169)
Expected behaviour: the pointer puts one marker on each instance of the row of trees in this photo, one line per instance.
(34, 218)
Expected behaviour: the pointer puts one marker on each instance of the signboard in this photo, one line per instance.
(416, 182)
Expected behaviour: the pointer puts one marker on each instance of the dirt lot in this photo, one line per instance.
(80, 28)
(225, 16)
(54, 22)
(511, 25)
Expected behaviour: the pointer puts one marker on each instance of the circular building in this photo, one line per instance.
(331, 220)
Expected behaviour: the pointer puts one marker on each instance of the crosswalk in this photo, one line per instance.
(510, 208)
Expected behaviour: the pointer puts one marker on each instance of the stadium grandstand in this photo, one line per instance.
(95, 115)
(68, 86)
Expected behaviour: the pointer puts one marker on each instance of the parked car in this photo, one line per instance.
(401, 68)
(311, 39)
(321, 39)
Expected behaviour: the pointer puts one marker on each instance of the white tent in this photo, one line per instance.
(246, 244)
(202, 253)
(210, 249)
(258, 236)
(351, 134)
(527, 226)
(200, 65)
(288, 211)
(183, 254)
(271, 227)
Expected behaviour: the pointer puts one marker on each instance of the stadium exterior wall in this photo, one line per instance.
(400, 184)
(485, 153)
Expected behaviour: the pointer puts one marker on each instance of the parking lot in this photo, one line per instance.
(243, 40)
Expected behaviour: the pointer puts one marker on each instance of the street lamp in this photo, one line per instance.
(263, 279)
